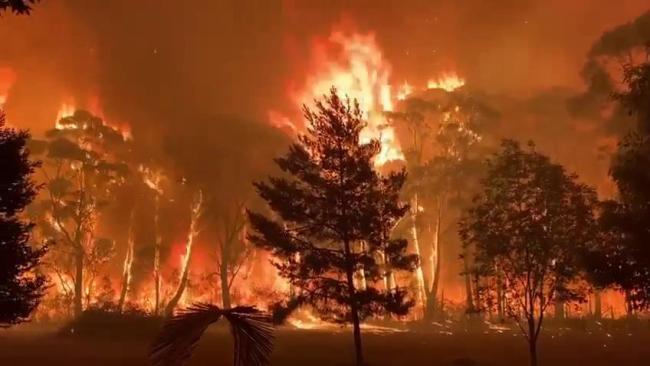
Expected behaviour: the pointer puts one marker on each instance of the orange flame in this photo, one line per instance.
(358, 70)
(7, 79)
(448, 82)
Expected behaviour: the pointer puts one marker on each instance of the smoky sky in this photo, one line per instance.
(155, 64)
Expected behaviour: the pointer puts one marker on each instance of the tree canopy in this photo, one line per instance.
(525, 231)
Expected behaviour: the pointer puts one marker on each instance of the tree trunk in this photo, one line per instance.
(532, 349)
(434, 261)
(156, 256)
(598, 305)
(559, 310)
(193, 232)
(78, 281)
(225, 283)
(422, 293)
(469, 302)
(354, 308)
(500, 297)
(127, 269)
(532, 339)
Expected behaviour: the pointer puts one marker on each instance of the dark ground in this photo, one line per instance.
(332, 348)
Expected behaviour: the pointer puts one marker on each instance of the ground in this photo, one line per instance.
(27, 347)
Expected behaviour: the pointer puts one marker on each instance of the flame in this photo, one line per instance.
(69, 107)
(359, 71)
(404, 91)
(66, 110)
(7, 79)
(448, 82)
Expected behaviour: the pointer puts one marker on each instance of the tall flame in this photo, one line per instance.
(357, 70)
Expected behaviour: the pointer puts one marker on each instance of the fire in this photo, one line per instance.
(7, 79)
(404, 91)
(68, 109)
(359, 71)
(448, 82)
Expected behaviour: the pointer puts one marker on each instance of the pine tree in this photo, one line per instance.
(333, 218)
(20, 287)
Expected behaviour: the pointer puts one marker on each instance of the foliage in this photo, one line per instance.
(636, 99)
(17, 6)
(623, 258)
(252, 331)
(529, 225)
(21, 287)
(83, 166)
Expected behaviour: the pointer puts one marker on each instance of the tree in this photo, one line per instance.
(232, 250)
(21, 288)
(17, 6)
(443, 146)
(82, 168)
(251, 329)
(530, 222)
(193, 232)
(333, 219)
(623, 261)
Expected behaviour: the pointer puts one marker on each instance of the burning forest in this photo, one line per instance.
(370, 177)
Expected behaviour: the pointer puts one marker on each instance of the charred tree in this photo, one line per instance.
(197, 209)
(127, 268)
(331, 200)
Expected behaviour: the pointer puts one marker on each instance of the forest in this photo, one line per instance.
(254, 194)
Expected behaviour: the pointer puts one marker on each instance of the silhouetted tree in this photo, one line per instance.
(252, 331)
(530, 222)
(17, 6)
(622, 260)
(333, 219)
(21, 288)
(82, 167)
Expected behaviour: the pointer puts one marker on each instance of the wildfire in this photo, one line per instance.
(7, 79)
(68, 109)
(404, 91)
(448, 82)
(359, 71)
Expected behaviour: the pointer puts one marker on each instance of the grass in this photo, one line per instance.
(32, 345)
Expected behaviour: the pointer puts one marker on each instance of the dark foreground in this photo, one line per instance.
(314, 348)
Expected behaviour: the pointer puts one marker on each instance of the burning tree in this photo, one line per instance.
(20, 288)
(334, 217)
(528, 225)
(81, 172)
(443, 145)
(193, 232)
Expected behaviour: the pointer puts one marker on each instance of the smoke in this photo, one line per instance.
(601, 72)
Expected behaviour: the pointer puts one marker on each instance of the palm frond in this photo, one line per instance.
(253, 333)
(181, 333)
